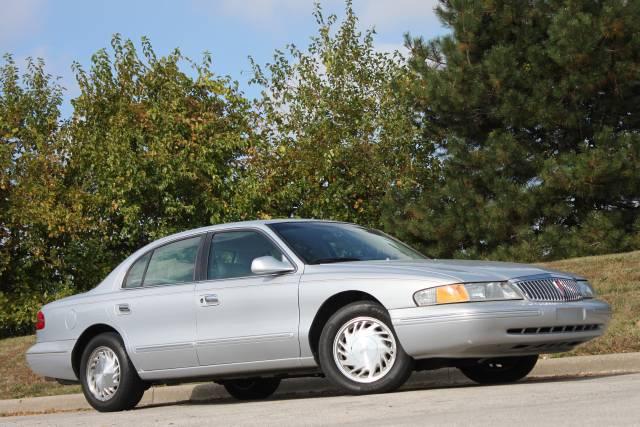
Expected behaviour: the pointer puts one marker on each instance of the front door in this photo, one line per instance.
(240, 316)
(157, 307)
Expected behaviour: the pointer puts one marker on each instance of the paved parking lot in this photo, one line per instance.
(603, 400)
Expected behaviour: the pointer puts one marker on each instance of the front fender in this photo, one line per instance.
(391, 293)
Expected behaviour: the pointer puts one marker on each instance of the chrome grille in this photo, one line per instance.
(550, 289)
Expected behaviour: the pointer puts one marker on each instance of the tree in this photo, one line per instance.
(32, 223)
(534, 111)
(153, 150)
(335, 133)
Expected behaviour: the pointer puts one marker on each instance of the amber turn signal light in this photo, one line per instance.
(452, 293)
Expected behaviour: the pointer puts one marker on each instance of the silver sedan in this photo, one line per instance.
(248, 304)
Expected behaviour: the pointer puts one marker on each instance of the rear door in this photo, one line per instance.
(243, 317)
(157, 307)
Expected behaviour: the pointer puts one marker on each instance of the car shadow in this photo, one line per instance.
(312, 388)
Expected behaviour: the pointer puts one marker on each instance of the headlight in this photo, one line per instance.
(586, 290)
(466, 292)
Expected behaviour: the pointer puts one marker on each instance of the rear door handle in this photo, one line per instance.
(124, 308)
(210, 299)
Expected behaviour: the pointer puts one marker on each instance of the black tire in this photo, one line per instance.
(130, 388)
(252, 388)
(396, 376)
(501, 370)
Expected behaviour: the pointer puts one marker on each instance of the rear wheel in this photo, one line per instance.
(501, 370)
(359, 351)
(252, 388)
(109, 380)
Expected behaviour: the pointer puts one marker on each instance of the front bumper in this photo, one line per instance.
(494, 329)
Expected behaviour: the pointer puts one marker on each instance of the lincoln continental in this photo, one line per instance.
(249, 304)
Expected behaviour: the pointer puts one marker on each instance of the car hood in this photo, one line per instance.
(437, 270)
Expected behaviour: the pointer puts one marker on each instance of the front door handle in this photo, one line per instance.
(210, 299)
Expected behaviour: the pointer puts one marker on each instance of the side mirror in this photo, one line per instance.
(270, 265)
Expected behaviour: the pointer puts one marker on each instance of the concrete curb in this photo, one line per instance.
(308, 387)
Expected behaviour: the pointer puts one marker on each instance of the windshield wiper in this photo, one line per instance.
(333, 260)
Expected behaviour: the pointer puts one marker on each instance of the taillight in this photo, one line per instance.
(39, 321)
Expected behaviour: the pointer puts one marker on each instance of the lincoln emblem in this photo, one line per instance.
(559, 286)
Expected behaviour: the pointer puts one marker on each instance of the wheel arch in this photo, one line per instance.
(83, 340)
(328, 308)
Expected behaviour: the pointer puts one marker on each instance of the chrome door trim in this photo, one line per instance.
(231, 284)
(164, 285)
(249, 339)
(164, 347)
(47, 352)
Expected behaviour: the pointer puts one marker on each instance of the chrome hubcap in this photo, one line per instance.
(103, 373)
(364, 349)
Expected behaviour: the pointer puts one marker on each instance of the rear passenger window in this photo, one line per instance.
(173, 263)
(136, 272)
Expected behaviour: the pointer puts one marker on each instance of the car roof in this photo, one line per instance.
(265, 222)
(252, 223)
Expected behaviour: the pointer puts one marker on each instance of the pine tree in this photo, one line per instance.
(534, 109)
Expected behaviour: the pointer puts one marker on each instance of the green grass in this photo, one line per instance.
(615, 277)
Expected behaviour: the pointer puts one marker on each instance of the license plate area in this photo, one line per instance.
(570, 314)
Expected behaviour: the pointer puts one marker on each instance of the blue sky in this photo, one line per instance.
(62, 31)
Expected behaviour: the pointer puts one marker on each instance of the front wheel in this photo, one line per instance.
(360, 352)
(500, 371)
(252, 388)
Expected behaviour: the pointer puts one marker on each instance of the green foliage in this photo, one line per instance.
(533, 107)
(31, 172)
(154, 151)
(335, 133)
(150, 150)
(517, 136)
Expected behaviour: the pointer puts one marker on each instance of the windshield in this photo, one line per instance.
(328, 242)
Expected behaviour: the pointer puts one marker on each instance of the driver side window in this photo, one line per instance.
(232, 252)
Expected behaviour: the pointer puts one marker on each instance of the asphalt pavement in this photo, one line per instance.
(604, 400)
